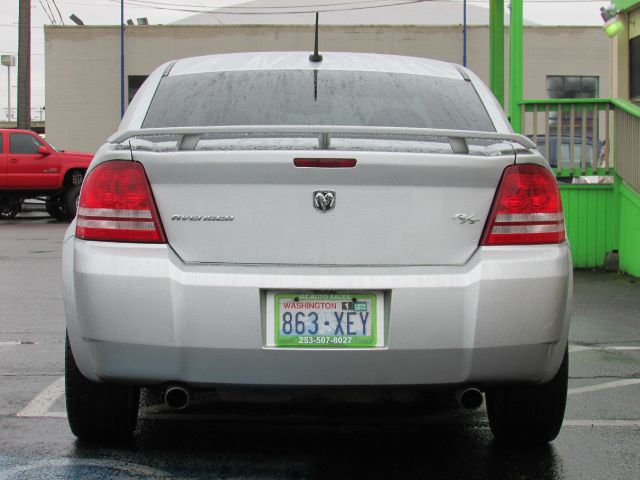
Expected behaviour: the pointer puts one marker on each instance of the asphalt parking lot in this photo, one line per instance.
(212, 439)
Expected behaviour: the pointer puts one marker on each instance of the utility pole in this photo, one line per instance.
(24, 66)
(9, 93)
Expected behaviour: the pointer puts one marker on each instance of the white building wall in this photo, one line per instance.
(83, 62)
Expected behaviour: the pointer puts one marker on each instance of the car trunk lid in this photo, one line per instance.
(257, 207)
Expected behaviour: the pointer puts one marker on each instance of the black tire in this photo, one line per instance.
(55, 207)
(71, 201)
(531, 415)
(98, 411)
(9, 211)
(10, 207)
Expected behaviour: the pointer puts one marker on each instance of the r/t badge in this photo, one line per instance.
(464, 218)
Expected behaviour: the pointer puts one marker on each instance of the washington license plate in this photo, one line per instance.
(348, 320)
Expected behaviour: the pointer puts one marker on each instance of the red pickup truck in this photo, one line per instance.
(30, 167)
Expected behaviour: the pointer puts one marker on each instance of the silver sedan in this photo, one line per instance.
(267, 219)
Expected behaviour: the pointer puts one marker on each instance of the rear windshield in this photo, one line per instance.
(312, 97)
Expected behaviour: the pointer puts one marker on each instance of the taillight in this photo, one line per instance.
(116, 205)
(527, 209)
(325, 162)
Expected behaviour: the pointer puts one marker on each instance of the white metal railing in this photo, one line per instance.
(574, 135)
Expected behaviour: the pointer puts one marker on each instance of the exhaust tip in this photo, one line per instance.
(469, 398)
(177, 397)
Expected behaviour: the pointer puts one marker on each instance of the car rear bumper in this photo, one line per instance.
(137, 313)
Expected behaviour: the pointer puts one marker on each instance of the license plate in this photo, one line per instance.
(337, 320)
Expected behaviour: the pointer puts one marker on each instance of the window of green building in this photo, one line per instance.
(634, 69)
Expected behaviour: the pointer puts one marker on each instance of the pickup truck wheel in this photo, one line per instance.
(532, 415)
(9, 211)
(71, 201)
(54, 207)
(98, 411)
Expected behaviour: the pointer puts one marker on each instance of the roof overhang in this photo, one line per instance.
(624, 5)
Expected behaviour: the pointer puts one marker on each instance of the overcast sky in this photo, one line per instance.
(546, 12)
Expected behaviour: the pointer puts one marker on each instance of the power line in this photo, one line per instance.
(15, 25)
(59, 14)
(309, 5)
(52, 17)
(15, 53)
(154, 3)
(259, 7)
(46, 13)
(309, 9)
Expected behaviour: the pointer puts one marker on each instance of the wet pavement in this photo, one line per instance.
(214, 439)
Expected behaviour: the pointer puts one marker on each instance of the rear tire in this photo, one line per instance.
(54, 206)
(10, 207)
(98, 411)
(71, 201)
(531, 415)
(9, 212)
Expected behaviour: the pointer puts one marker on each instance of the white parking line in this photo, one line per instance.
(604, 386)
(10, 344)
(601, 423)
(40, 405)
(585, 348)
(148, 413)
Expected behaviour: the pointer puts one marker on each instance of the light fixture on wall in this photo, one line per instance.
(75, 19)
(613, 25)
(8, 61)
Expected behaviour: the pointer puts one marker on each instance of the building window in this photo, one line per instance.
(634, 69)
(135, 82)
(572, 86)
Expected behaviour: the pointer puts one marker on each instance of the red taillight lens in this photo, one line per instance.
(116, 205)
(527, 209)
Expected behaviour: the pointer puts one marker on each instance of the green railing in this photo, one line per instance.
(596, 141)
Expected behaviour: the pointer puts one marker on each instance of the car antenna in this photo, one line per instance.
(315, 56)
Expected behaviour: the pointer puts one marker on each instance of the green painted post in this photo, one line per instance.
(616, 211)
(496, 49)
(516, 64)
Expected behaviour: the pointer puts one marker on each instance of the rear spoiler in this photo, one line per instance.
(458, 139)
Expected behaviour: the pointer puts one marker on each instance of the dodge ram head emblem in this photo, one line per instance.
(324, 200)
